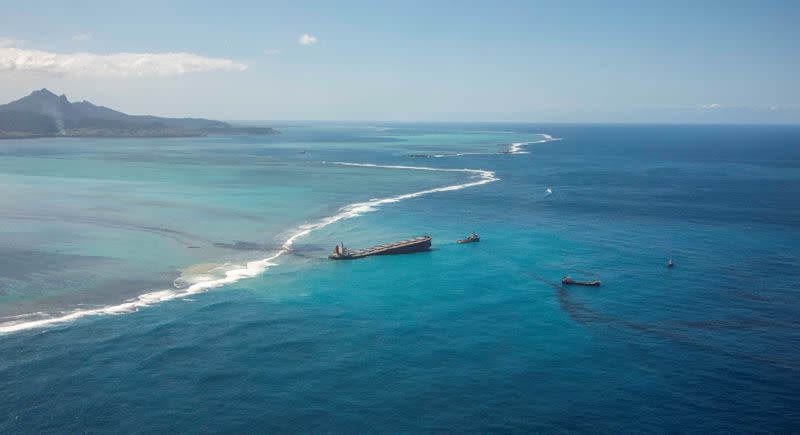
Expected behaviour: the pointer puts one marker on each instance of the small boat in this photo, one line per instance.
(569, 281)
(474, 237)
(670, 263)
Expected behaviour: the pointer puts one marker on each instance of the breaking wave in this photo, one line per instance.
(514, 148)
(517, 148)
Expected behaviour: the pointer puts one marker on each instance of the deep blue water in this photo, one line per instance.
(465, 338)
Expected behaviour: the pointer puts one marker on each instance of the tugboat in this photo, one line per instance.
(569, 281)
(410, 246)
(474, 237)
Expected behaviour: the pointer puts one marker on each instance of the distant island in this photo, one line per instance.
(45, 114)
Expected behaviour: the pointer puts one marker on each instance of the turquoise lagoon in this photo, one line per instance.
(240, 331)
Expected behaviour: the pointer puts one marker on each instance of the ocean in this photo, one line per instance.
(182, 284)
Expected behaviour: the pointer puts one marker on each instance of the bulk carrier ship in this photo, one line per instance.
(417, 244)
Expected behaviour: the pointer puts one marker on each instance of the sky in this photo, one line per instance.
(522, 61)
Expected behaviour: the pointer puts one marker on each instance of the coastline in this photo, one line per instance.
(234, 131)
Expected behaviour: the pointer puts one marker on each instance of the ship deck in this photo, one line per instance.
(388, 248)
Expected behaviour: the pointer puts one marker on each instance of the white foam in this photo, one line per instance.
(257, 267)
(516, 148)
(460, 154)
(491, 132)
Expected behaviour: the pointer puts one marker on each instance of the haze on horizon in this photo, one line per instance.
(532, 61)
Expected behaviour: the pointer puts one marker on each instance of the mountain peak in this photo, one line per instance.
(43, 102)
(44, 92)
(44, 96)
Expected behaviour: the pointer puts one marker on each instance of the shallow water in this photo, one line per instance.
(466, 337)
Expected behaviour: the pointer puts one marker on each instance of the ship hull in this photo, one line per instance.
(411, 246)
(410, 249)
(588, 284)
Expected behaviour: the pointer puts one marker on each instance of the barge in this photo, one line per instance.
(410, 246)
(569, 281)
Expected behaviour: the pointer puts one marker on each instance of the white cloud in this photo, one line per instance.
(82, 36)
(306, 39)
(112, 65)
(711, 106)
(10, 42)
(272, 51)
